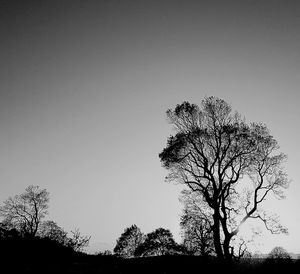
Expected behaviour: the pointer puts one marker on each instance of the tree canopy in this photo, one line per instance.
(128, 242)
(157, 243)
(279, 253)
(49, 229)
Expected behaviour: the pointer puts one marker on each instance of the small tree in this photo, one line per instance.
(77, 241)
(279, 253)
(25, 212)
(128, 242)
(196, 224)
(105, 253)
(50, 230)
(157, 243)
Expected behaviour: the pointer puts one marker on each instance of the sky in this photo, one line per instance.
(84, 90)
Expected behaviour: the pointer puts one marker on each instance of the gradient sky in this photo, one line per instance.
(85, 86)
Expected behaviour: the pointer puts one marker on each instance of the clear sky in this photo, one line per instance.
(85, 86)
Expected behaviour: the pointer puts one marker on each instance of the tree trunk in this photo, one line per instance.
(226, 248)
(217, 237)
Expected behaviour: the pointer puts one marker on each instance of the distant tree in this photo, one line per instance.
(241, 249)
(157, 243)
(105, 253)
(128, 242)
(279, 253)
(232, 165)
(7, 231)
(50, 229)
(196, 224)
(77, 241)
(25, 212)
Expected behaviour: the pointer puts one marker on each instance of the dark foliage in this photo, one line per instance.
(131, 238)
(43, 255)
(157, 243)
(20, 253)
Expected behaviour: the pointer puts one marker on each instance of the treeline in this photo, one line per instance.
(197, 236)
(31, 244)
(134, 243)
(157, 252)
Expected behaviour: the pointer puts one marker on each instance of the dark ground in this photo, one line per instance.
(44, 256)
(157, 265)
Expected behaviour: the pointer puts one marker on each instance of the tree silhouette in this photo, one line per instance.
(128, 242)
(8, 232)
(77, 241)
(49, 229)
(233, 166)
(196, 224)
(25, 212)
(279, 253)
(157, 243)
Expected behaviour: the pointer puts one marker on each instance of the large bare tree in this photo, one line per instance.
(232, 165)
(25, 212)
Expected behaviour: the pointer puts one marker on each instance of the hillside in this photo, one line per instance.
(83, 263)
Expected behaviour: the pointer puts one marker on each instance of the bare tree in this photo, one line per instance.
(77, 241)
(25, 212)
(232, 165)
